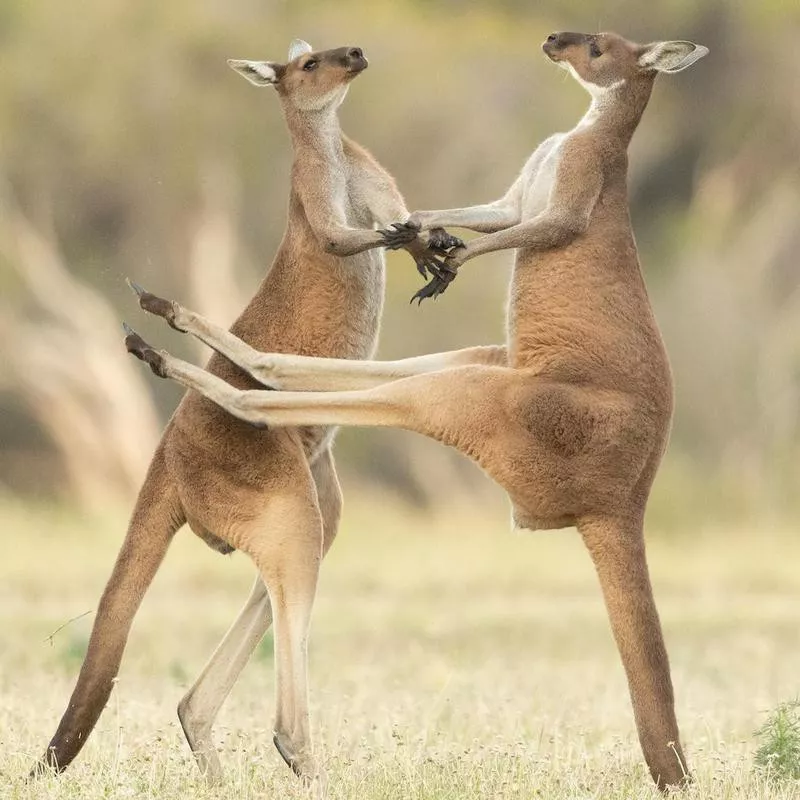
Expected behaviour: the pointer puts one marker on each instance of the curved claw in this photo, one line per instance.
(136, 288)
(442, 241)
(156, 305)
(399, 234)
(138, 347)
(433, 288)
(437, 285)
(428, 265)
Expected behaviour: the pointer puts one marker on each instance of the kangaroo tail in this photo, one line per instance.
(156, 517)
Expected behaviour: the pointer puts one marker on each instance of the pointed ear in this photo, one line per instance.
(298, 48)
(260, 73)
(671, 56)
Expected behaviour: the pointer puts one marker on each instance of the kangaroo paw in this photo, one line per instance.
(429, 266)
(138, 347)
(439, 239)
(436, 286)
(399, 235)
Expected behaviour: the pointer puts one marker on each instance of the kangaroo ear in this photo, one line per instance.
(260, 73)
(298, 48)
(671, 56)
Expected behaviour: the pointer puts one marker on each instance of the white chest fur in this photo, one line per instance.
(540, 174)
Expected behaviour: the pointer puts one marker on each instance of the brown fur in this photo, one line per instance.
(271, 493)
(573, 417)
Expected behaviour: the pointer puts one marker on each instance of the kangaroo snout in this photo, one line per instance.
(356, 60)
(556, 42)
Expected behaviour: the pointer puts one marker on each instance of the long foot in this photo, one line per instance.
(138, 347)
(399, 235)
(442, 241)
(154, 304)
(303, 765)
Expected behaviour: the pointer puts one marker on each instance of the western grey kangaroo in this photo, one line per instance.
(572, 417)
(272, 493)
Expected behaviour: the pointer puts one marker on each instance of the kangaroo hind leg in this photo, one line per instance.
(200, 706)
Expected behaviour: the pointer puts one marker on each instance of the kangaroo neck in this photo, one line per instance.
(316, 134)
(615, 112)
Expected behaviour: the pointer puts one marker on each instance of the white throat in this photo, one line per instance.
(601, 96)
(327, 102)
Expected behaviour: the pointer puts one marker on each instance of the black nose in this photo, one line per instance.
(355, 52)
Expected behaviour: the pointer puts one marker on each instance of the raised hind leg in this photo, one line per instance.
(617, 549)
(450, 405)
(289, 372)
(201, 704)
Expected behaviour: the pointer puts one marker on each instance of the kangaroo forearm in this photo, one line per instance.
(542, 233)
(484, 219)
(349, 241)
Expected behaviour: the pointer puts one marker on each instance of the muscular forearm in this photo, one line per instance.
(484, 219)
(344, 242)
(541, 233)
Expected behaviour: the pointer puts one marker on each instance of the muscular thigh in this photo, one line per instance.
(574, 451)
(226, 483)
(329, 496)
(558, 449)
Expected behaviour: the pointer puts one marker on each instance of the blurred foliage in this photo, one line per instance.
(120, 120)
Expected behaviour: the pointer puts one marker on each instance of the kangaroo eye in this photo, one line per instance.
(310, 64)
(594, 50)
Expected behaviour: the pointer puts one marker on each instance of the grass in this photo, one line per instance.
(779, 754)
(450, 659)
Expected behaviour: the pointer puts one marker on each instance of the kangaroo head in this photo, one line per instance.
(308, 81)
(602, 61)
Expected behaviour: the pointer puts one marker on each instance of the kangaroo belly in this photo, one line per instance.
(213, 541)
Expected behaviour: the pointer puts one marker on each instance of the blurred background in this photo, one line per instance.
(128, 148)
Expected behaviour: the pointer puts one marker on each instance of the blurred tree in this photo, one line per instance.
(123, 132)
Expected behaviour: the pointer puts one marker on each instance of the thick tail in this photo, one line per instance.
(617, 549)
(156, 517)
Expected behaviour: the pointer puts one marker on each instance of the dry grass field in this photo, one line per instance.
(450, 659)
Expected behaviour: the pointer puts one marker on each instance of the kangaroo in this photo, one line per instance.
(572, 417)
(273, 494)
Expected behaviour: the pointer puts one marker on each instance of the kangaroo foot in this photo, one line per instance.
(138, 347)
(158, 306)
(301, 763)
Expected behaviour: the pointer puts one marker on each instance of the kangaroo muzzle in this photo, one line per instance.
(355, 60)
(555, 43)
